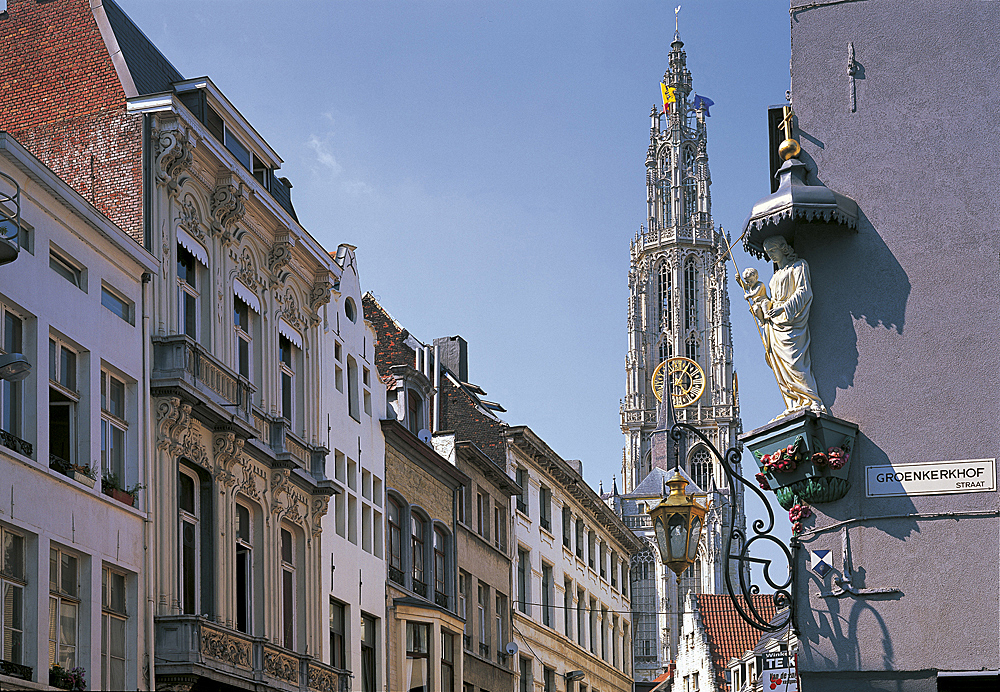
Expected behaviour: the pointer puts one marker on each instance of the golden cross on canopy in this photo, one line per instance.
(786, 122)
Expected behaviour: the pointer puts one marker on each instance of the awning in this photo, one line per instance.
(246, 295)
(193, 246)
(289, 332)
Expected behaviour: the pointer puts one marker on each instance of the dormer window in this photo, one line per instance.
(414, 412)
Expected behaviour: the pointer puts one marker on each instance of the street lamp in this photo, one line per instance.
(14, 367)
(677, 522)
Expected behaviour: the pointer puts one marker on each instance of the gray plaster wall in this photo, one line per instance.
(905, 325)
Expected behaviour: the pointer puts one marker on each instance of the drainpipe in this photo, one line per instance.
(147, 428)
(436, 423)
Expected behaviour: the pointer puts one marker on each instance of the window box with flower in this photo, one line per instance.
(804, 457)
(111, 485)
(73, 679)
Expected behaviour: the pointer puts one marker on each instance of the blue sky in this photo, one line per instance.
(487, 159)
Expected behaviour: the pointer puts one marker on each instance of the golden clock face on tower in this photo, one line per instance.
(686, 378)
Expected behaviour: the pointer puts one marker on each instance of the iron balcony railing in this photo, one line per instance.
(15, 443)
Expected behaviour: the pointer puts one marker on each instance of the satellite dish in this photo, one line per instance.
(511, 648)
(424, 436)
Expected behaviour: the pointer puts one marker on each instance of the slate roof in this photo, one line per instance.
(652, 484)
(151, 72)
(728, 635)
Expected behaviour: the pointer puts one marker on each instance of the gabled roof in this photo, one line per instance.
(149, 69)
(729, 636)
(652, 484)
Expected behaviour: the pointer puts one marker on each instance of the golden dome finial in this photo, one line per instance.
(789, 149)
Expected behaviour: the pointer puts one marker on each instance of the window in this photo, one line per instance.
(244, 568)
(63, 400)
(116, 304)
(644, 602)
(462, 492)
(581, 615)
(604, 633)
(701, 468)
(463, 600)
(350, 309)
(218, 127)
(353, 403)
(287, 589)
(337, 630)
(338, 354)
(440, 573)
(526, 684)
(568, 608)
(113, 427)
(64, 608)
(591, 549)
(567, 528)
(665, 302)
(483, 515)
(395, 539)
(549, 679)
(690, 295)
(414, 411)
(417, 528)
(547, 595)
(369, 628)
(188, 295)
(545, 508)
(447, 662)
(690, 582)
(522, 499)
(499, 613)
(114, 618)
(614, 570)
(523, 580)
(189, 502)
(579, 538)
(602, 553)
(500, 535)
(417, 653)
(11, 404)
(244, 340)
(366, 382)
(614, 641)
(67, 269)
(12, 583)
(287, 355)
(593, 626)
(483, 619)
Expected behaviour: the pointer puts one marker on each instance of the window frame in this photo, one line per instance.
(418, 557)
(243, 352)
(126, 306)
(189, 294)
(62, 601)
(61, 264)
(13, 582)
(112, 423)
(109, 614)
(68, 395)
(289, 589)
(189, 575)
(244, 545)
(11, 393)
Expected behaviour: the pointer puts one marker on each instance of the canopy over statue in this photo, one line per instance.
(784, 320)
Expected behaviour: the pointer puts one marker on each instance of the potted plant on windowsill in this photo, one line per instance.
(83, 474)
(111, 485)
(74, 679)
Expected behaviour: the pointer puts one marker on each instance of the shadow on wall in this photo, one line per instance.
(854, 277)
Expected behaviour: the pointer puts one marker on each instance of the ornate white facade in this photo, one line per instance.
(678, 306)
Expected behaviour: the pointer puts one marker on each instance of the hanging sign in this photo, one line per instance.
(931, 478)
(778, 672)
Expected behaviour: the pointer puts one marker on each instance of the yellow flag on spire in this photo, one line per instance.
(668, 96)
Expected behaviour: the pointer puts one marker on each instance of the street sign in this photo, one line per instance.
(931, 478)
(778, 672)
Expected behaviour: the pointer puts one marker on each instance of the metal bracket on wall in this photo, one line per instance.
(845, 584)
(852, 71)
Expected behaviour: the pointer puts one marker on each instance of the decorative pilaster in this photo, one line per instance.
(174, 153)
(227, 206)
(280, 255)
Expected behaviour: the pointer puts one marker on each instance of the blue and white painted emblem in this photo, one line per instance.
(820, 561)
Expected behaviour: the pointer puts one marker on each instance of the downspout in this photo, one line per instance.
(436, 423)
(147, 429)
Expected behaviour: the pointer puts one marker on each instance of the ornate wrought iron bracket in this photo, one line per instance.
(783, 591)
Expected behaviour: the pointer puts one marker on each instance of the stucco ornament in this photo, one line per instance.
(174, 153)
(227, 207)
(784, 319)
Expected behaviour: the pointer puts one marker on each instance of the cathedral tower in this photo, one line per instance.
(678, 308)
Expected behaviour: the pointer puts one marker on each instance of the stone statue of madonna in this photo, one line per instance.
(784, 318)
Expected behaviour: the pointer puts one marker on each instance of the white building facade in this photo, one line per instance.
(74, 564)
(572, 614)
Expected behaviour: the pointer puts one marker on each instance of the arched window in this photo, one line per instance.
(690, 187)
(690, 582)
(440, 569)
(665, 297)
(666, 348)
(664, 195)
(690, 294)
(418, 542)
(288, 564)
(691, 349)
(395, 541)
(244, 568)
(189, 510)
(701, 468)
(414, 411)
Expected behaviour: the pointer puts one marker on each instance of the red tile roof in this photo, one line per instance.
(728, 635)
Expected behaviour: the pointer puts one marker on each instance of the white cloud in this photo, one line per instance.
(323, 154)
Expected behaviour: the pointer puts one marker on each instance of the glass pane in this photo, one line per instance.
(11, 333)
(53, 628)
(117, 602)
(67, 369)
(286, 546)
(288, 608)
(116, 643)
(53, 569)
(190, 315)
(69, 574)
(244, 357)
(115, 304)
(186, 500)
(117, 457)
(52, 360)
(67, 634)
(117, 397)
(243, 523)
(695, 533)
(678, 537)
(13, 555)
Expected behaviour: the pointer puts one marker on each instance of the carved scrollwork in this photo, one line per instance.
(279, 256)
(173, 422)
(227, 207)
(227, 448)
(323, 680)
(281, 666)
(291, 312)
(292, 513)
(279, 487)
(320, 506)
(246, 270)
(174, 153)
(189, 219)
(226, 648)
(249, 485)
(320, 293)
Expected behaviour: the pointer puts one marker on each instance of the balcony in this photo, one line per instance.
(15, 443)
(181, 363)
(188, 647)
(638, 521)
(15, 670)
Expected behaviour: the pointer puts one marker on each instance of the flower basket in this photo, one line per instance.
(81, 477)
(122, 496)
(804, 457)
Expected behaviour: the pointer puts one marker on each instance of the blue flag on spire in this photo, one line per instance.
(702, 101)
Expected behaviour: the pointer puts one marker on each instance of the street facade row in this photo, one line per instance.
(228, 467)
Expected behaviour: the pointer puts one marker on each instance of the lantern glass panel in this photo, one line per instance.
(695, 534)
(678, 536)
(661, 539)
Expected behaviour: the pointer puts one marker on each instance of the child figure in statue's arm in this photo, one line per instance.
(755, 293)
